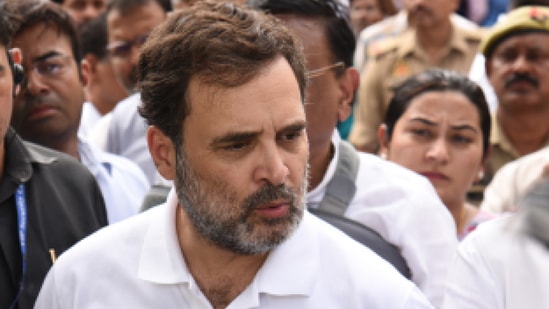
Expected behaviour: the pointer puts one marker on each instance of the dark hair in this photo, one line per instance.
(94, 37)
(6, 27)
(438, 80)
(32, 13)
(336, 19)
(126, 6)
(6, 31)
(518, 3)
(222, 43)
(385, 6)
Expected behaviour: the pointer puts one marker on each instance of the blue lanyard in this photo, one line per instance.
(21, 205)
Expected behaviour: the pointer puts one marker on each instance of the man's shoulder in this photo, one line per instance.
(381, 180)
(493, 236)
(388, 26)
(351, 263)
(375, 168)
(114, 244)
(342, 257)
(471, 36)
(55, 160)
(126, 111)
(119, 165)
(383, 48)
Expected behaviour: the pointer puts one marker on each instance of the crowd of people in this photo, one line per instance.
(180, 154)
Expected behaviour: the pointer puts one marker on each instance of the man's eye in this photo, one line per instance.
(53, 68)
(292, 136)
(234, 147)
(49, 68)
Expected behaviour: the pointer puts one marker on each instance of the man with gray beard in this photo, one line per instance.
(222, 89)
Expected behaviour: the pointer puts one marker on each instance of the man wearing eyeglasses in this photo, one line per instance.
(398, 204)
(103, 90)
(48, 201)
(129, 22)
(82, 11)
(48, 108)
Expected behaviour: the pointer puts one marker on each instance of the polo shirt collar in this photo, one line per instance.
(162, 262)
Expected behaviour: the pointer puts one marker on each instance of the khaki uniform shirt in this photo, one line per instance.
(393, 60)
(502, 152)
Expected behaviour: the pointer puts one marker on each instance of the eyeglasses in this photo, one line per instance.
(321, 71)
(123, 49)
(51, 66)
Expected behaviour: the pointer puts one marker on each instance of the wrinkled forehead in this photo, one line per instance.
(272, 97)
(40, 39)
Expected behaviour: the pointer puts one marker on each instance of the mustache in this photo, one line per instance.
(420, 9)
(29, 100)
(267, 194)
(520, 77)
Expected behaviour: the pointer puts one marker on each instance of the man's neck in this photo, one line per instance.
(527, 132)
(221, 275)
(103, 104)
(434, 40)
(67, 143)
(320, 157)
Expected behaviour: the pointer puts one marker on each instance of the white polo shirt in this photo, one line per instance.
(405, 210)
(138, 264)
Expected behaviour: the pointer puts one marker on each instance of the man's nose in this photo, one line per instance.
(271, 168)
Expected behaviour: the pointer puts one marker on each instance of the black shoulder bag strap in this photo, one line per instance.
(341, 189)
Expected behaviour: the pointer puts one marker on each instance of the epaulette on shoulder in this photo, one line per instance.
(475, 35)
(381, 47)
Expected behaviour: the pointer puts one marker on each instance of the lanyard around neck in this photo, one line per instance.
(21, 206)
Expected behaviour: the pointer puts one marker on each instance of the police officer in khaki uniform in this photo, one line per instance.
(433, 41)
(517, 66)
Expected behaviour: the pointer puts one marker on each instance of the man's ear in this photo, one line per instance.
(383, 141)
(162, 152)
(88, 68)
(348, 84)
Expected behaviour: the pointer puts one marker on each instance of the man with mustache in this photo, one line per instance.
(122, 132)
(223, 89)
(432, 41)
(517, 66)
